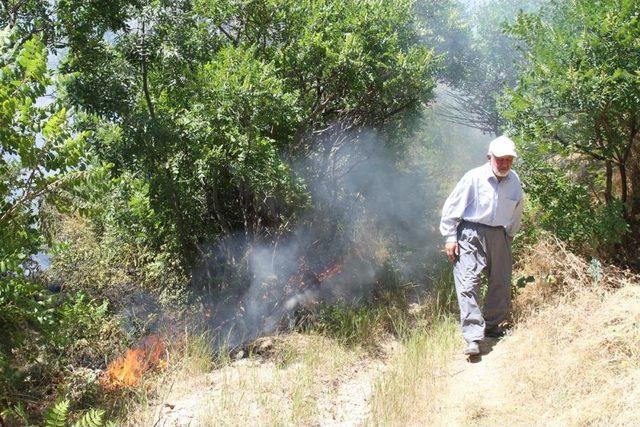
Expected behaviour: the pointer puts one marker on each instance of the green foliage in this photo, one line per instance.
(443, 292)
(58, 415)
(40, 160)
(38, 154)
(211, 102)
(112, 246)
(351, 325)
(92, 418)
(565, 207)
(43, 334)
(25, 306)
(577, 107)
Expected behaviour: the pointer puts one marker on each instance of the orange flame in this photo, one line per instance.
(128, 370)
(330, 272)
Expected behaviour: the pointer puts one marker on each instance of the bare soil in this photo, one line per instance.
(473, 387)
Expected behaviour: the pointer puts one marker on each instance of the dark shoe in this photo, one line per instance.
(473, 349)
(496, 332)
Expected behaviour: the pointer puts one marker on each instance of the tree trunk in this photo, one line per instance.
(215, 210)
(187, 245)
(609, 182)
(622, 168)
(635, 186)
(634, 208)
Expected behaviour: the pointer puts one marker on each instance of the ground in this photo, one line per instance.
(572, 362)
(472, 388)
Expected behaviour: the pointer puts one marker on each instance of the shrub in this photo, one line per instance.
(44, 336)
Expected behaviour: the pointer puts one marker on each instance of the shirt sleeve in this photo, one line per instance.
(454, 208)
(514, 227)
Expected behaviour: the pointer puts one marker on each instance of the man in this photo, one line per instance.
(479, 219)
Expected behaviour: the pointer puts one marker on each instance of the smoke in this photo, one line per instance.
(376, 202)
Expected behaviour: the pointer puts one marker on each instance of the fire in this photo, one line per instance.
(128, 370)
(330, 272)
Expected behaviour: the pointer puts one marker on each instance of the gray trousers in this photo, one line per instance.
(482, 249)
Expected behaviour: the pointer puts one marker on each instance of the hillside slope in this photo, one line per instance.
(572, 359)
(576, 363)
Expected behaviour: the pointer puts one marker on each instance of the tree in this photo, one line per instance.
(214, 101)
(39, 154)
(486, 62)
(579, 97)
(41, 159)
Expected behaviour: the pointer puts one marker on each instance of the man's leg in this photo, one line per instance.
(498, 300)
(467, 273)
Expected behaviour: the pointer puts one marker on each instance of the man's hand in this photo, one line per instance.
(451, 248)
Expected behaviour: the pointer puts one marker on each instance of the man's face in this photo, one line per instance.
(501, 165)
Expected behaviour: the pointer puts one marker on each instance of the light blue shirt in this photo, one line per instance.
(480, 197)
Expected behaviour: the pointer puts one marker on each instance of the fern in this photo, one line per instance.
(56, 415)
(93, 418)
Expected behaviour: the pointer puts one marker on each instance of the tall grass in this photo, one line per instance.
(412, 382)
(287, 389)
(363, 326)
(415, 375)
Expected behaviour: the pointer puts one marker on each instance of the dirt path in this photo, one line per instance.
(473, 388)
(346, 401)
(470, 395)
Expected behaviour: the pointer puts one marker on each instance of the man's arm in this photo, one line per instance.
(517, 220)
(452, 212)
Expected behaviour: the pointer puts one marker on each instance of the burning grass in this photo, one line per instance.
(127, 371)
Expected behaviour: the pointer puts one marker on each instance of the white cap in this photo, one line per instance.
(502, 146)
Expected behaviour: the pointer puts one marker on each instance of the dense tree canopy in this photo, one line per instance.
(39, 154)
(212, 101)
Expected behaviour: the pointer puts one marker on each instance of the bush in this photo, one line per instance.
(566, 208)
(45, 337)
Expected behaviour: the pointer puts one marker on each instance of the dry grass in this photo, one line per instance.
(415, 376)
(576, 362)
(289, 383)
(573, 358)
(559, 276)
